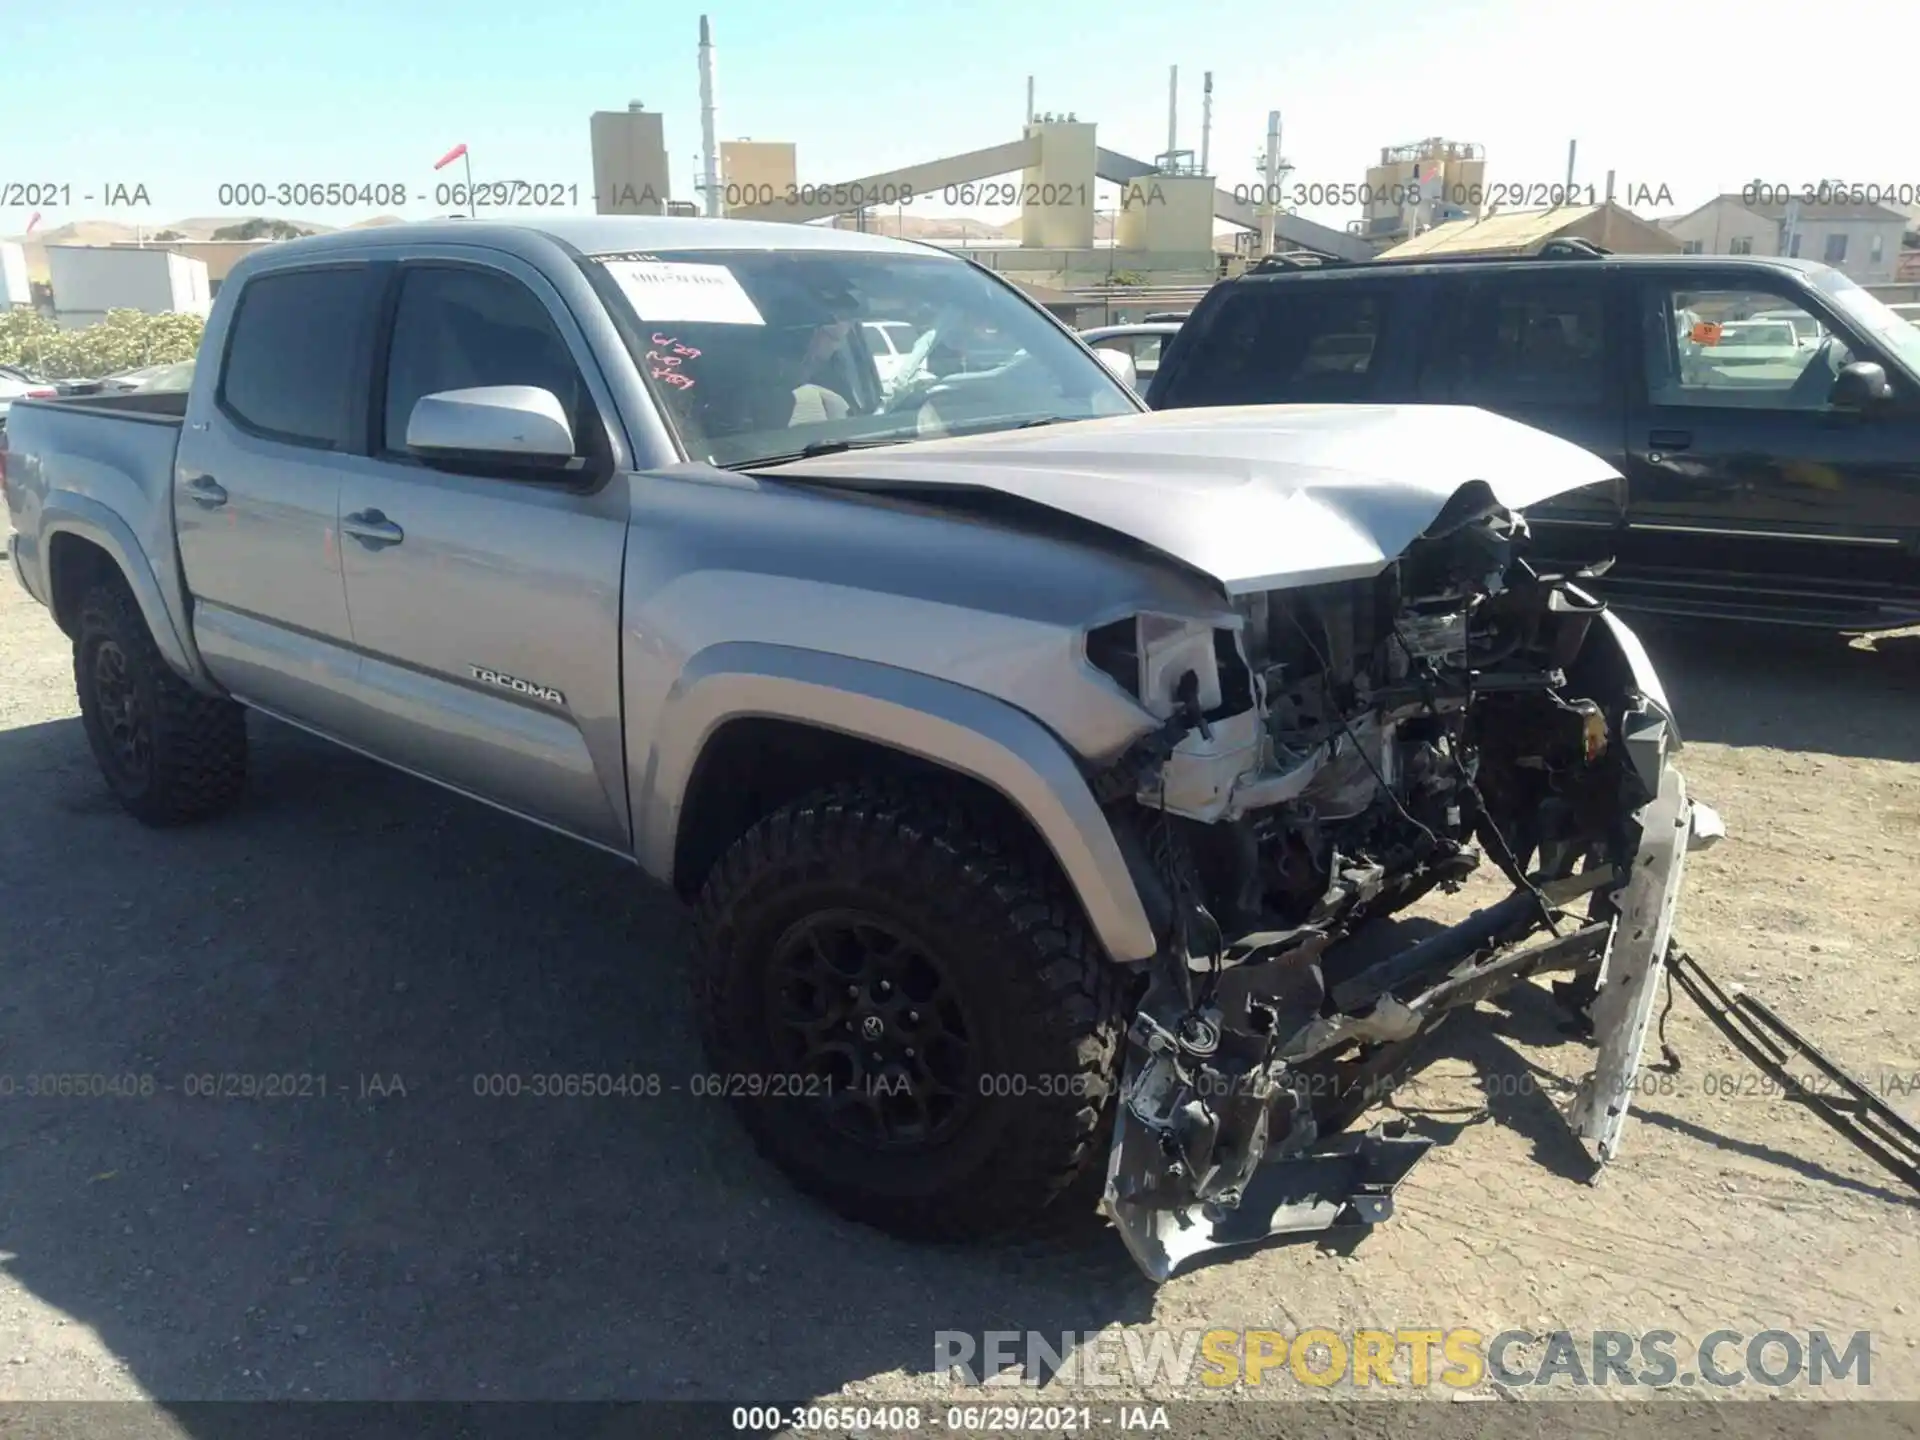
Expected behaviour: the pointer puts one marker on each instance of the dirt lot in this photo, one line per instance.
(402, 1237)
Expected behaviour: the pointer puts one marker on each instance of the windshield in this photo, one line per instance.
(756, 356)
(1872, 316)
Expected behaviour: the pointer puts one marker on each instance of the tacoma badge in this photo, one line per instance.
(517, 685)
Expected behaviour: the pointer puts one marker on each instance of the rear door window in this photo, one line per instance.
(1287, 342)
(296, 361)
(1515, 341)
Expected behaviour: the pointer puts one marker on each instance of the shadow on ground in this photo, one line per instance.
(1802, 690)
(383, 1231)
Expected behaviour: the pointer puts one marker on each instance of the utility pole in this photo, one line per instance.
(1206, 122)
(1173, 111)
(709, 158)
(1270, 184)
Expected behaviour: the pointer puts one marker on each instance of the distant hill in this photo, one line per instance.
(115, 232)
(194, 229)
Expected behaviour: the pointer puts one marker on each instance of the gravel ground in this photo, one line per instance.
(401, 1237)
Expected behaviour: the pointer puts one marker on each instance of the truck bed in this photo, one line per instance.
(104, 462)
(166, 406)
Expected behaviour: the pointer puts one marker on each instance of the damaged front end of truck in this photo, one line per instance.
(1334, 754)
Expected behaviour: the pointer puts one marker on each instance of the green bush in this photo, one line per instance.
(125, 340)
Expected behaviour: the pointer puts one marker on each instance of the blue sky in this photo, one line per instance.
(181, 97)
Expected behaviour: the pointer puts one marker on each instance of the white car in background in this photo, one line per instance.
(1807, 330)
(17, 384)
(890, 342)
(1144, 342)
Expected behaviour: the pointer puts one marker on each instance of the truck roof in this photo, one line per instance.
(600, 234)
(1282, 268)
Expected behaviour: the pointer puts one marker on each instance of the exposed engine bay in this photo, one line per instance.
(1342, 751)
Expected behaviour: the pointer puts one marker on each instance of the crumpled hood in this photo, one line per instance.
(1259, 497)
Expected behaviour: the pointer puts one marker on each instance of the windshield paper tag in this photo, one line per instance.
(676, 291)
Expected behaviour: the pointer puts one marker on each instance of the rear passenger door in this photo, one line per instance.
(1541, 346)
(486, 600)
(257, 489)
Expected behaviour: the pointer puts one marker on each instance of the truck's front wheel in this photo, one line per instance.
(169, 753)
(903, 1001)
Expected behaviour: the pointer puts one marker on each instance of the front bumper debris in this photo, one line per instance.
(1229, 1130)
(1623, 1010)
(1343, 1180)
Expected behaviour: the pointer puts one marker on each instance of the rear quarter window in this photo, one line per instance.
(1285, 342)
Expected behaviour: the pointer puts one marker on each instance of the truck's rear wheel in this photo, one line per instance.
(908, 1010)
(169, 753)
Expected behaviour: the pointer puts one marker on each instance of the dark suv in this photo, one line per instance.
(1765, 412)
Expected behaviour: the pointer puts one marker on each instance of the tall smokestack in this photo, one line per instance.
(709, 155)
(1271, 178)
(1173, 110)
(1028, 119)
(1206, 122)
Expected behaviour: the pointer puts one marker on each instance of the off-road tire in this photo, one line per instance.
(1000, 921)
(196, 750)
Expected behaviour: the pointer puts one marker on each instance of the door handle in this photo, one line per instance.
(1668, 440)
(372, 529)
(206, 492)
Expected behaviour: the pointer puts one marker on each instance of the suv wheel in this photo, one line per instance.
(169, 753)
(905, 1005)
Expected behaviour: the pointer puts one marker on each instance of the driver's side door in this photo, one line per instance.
(1740, 464)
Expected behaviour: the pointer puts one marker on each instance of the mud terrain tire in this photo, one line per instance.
(1017, 1011)
(169, 754)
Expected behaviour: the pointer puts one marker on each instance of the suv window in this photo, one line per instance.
(296, 356)
(459, 327)
(1736, 348)
(1520, 340)
(1284, 341)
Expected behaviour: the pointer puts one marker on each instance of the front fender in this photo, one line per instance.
(960, 729)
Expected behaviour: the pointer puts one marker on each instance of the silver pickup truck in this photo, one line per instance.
(1044, 771)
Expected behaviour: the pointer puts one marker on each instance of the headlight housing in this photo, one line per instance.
(1149, 655)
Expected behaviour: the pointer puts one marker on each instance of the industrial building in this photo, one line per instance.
(750, 169)
(1860, 239)
(1418, 186)
(630, 173)
(1162, 231)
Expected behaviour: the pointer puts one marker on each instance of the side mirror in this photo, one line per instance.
(520, 423)
(1120, 362)
(1859, 386)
